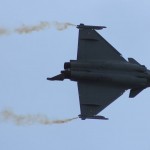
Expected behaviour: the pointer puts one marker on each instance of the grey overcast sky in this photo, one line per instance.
(26, 60)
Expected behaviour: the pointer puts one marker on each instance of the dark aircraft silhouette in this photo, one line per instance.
(101, 73)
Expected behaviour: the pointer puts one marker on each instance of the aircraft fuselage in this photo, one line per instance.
(102, 73)
(126, 74)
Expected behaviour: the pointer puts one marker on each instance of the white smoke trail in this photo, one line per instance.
(4, 31)
(43, 25)
(9, 115)
(28, 29)
(62, 26)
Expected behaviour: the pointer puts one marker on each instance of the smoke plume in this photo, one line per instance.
(62, 26)
(28, 29)
(43, 25)
(4, 31)
(9, 115)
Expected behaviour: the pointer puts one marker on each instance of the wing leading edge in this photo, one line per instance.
(92, 46)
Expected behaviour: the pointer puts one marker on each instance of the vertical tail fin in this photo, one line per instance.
(135, 92)
(133, 61)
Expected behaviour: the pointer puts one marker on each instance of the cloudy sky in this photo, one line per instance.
(28, 102)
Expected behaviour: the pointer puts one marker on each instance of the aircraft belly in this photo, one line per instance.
(106, 65)
(122, 79)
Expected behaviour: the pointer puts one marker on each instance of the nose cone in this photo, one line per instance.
(59, 77)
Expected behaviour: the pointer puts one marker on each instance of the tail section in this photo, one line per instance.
(135, 92)
(133, 61)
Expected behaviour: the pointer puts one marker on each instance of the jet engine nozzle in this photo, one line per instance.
(67, 65)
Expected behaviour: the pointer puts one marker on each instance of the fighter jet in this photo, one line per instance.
(101, 73)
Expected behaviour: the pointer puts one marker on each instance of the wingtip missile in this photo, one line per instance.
(82, 26)
(92, 117)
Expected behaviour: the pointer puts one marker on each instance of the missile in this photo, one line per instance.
(92, 117)
(82, 26)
